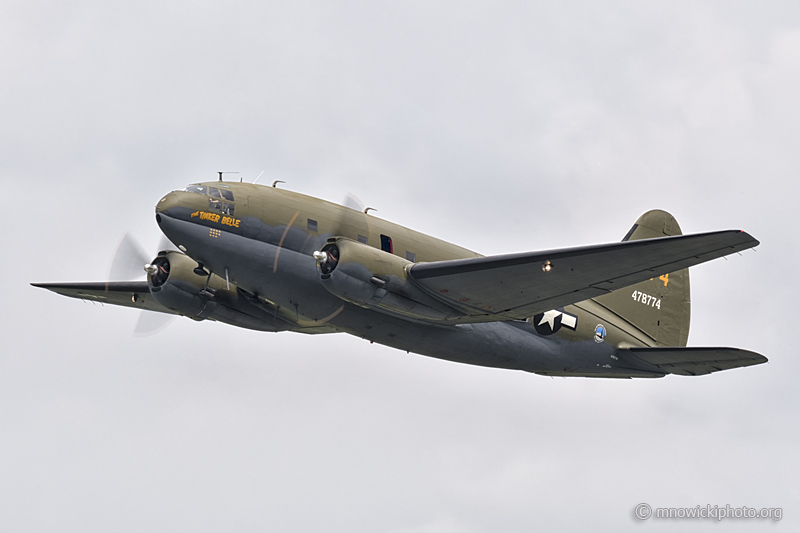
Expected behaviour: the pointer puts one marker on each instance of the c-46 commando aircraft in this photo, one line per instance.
(269, 259)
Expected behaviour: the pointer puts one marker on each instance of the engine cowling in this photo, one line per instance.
(374, 279)
(175, 284)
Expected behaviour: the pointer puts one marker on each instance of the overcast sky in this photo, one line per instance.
(500, 126)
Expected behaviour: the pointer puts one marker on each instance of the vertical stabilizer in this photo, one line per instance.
(659, 308)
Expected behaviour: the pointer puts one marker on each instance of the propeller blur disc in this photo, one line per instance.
(150, 323)
(129, 260)
(128, 265)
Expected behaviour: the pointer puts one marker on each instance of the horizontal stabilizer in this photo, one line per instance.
(694, 361)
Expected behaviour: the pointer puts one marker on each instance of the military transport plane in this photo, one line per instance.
(269, 259)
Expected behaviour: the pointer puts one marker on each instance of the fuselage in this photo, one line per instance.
(262, 239)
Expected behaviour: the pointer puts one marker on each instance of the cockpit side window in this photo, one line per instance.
(197, 189)
(228, 195)
(214, 192)
(218, 205)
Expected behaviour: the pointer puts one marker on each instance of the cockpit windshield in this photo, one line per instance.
(199, 189)
(219, 199)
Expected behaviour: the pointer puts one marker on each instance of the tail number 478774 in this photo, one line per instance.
(646, 299)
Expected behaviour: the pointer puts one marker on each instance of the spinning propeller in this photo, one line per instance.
(131, 263)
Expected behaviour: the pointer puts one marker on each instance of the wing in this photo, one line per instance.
(694, 361)
(125, 293)
(518, 286)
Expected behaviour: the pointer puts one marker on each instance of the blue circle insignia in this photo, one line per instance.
(599, 333)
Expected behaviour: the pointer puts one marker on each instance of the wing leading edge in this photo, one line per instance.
(125, 293)
(517, 286)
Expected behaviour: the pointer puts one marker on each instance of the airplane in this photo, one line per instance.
(269, 259)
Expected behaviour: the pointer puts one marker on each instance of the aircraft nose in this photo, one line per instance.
(169, 201)
(173, 207)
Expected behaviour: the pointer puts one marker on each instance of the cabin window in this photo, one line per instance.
(411, 256)
(386, 243)
(362, 239)
(312, 225)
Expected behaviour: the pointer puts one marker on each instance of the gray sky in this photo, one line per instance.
(499, 126)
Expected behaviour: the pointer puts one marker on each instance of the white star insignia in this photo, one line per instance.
(550, 318)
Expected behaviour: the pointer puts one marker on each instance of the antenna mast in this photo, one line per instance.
(225, 172)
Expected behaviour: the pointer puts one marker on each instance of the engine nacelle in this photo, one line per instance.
(374, 279)
(175, 284)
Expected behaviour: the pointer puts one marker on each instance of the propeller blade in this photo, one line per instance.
(352, 201)
(129, 260)
(352, 218)
(150, 323)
